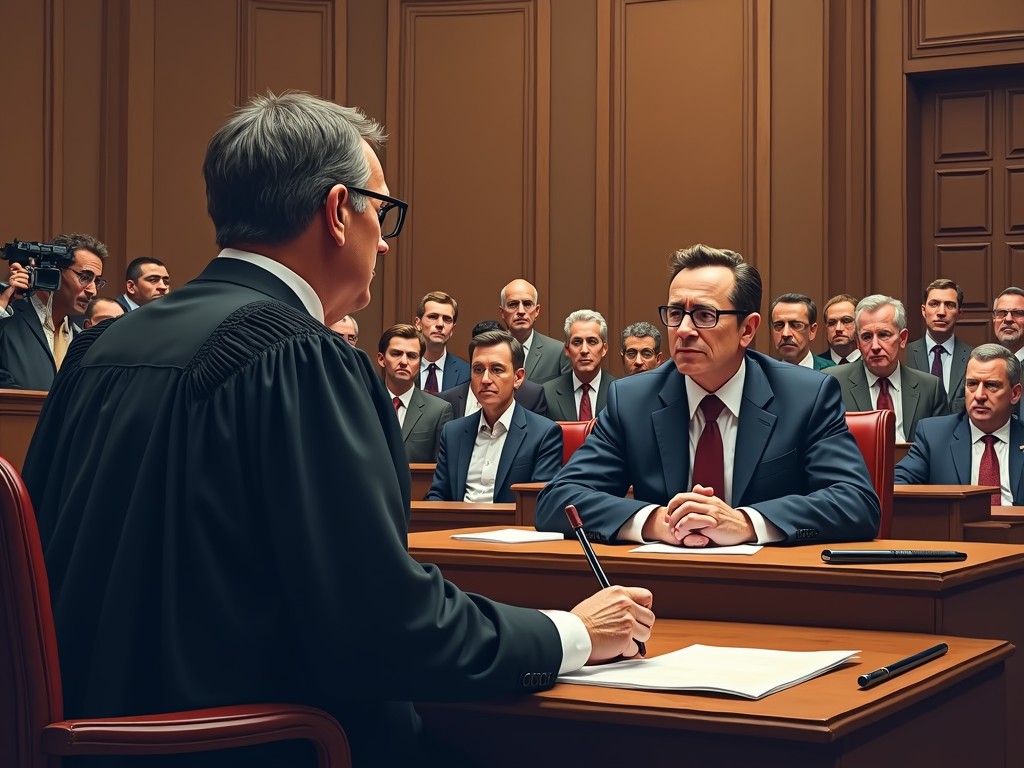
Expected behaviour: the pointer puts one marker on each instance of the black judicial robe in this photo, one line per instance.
(223, 495)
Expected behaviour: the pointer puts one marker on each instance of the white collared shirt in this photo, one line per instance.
(298, 284)
(853, 356)
(947, 356)
(577, 391)
(808, 361)
(483, 464)
(425, 371)
(1002, 448)
(131, 304)
(895, 392)
(42, 310)
(400, 412)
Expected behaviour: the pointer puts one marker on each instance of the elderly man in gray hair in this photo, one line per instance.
(981, 446)
(878, 381)
(579, 394)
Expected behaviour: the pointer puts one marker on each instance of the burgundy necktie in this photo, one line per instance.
(398, 403)
(431, 385)
(708, 461)
(988, 470)
(937, 361)
(884, 398)
(586, 412)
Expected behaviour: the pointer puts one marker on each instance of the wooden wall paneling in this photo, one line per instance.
(947, 27)
(286, 45)
(26, 139)
(468, 118)
(682, 137)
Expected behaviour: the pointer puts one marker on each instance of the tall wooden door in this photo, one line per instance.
(972, 190)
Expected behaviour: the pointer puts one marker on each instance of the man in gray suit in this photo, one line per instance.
(519, 310)
(878, 381)
(939, 352)
(420, 415)
(579, 394)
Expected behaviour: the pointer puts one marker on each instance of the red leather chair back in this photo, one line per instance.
(30, 689)
(573, 435)
(875, 433)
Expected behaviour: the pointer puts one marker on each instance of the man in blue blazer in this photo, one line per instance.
(788, 469)
(482, 455)
(951, 449)
(436, 317)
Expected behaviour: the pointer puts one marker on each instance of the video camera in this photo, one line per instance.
(44, 262)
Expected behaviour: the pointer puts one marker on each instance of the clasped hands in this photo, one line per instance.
(698, 518)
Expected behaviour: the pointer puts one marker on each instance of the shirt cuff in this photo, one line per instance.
(6, 311)
(576, 646)
(765, 530)
(633, 529)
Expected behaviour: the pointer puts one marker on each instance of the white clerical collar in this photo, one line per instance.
(730, 393)
(299, 286)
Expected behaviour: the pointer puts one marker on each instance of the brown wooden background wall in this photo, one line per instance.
(573, 142)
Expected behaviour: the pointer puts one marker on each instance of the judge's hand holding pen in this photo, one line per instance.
(615, 618)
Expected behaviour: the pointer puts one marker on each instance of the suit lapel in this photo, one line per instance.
(671, 425)
(960, 451)
(911, 397)
(859, 388)
(31, 319)
(755, 428)
(513, 442)
(958, 371)
(465, 444)
(413, 413)
(566, 398)
(602, 391)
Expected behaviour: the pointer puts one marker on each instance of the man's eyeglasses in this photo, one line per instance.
(834, 321)
(512, 305)
(795, 325)
(86, 277)
(701, 317)
(391, 214)
(1000, 314)
(645, 353)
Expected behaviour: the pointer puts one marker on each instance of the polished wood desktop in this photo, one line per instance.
(422, 479)
(938, 512)
(19, 411)
(777, 585)
(441, 515)
(947, 712)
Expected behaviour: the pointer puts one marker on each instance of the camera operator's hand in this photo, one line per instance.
(18, 281)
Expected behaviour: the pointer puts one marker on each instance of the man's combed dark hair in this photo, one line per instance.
(269, 168)
(745, 295)
(78, 242)
(492, 339)
(797, 298)
(134, 271)
(401, 331)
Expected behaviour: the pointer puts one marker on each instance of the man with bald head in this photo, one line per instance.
(519, 310)
(101, 309)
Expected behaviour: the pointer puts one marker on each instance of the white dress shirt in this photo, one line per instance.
(577, 392)
(483, 463)
(855, 355)
(895, 392)
(401, 411)
(425, 371)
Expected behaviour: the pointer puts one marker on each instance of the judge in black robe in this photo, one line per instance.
(222, 494)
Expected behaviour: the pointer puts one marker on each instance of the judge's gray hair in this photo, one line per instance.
(269, 168)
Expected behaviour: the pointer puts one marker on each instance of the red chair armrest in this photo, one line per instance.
(201, 730)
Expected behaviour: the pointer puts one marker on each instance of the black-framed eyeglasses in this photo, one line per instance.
(701, 317)
(391, 215)
(84, 278)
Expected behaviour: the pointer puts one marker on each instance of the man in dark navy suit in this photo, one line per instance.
(436, 317)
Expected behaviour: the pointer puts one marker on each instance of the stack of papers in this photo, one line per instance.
(672, 549)
(510, 536)
(752, 673)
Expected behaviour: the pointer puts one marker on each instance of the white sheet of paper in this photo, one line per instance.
(510, 536)
(668, 549)
(752, 673)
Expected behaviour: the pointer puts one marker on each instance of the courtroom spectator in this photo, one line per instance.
(436, 316)
(728, 446)
(420, 414)
(530, 394)
(1008, 320)
(35, 337)
(878, 381)
(579, 394)
(939, 352)
(145, 280)
(840, 330)
(101, 309)
(982, 446)
(641, 348)
(348, 329)
(794, 326)
(483, 455)
(224, 513)
(519, 310)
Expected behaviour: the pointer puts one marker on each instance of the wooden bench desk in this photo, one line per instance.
(441, 515)
(778, 585)
(938, 512)
(946, 713)
(19, 412)
(422, 479)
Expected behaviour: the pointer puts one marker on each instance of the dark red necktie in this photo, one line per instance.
(398, 403)
(937, 361)
(884, 398)
(431, 385)
(709, 461)
(586, 411)
(988, 470)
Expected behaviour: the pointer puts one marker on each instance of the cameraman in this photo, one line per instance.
(36, 331)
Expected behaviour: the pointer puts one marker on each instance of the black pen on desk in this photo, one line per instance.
(899, 667)
(602, 579)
